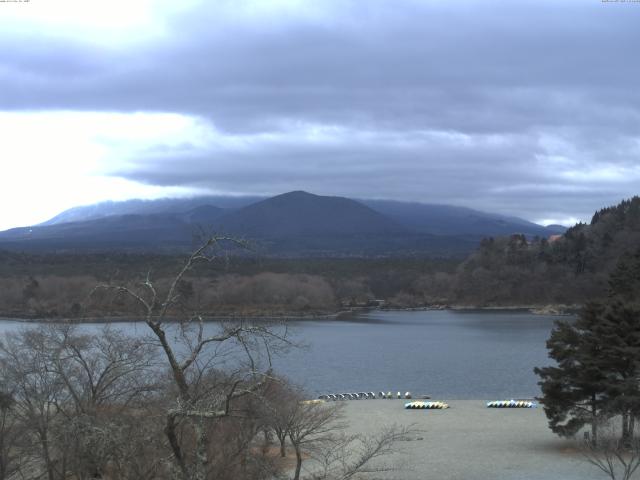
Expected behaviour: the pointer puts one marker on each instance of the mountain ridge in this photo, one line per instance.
(392, 208)
(297, 222)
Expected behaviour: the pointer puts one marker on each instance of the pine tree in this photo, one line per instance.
(598, 370)
(624, 281)
(574, 391)
(618, 331)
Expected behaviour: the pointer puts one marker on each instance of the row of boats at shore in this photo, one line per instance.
(419, 404)
(368, 396)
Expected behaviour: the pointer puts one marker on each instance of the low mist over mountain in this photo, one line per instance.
(294, 223)
(143, 207)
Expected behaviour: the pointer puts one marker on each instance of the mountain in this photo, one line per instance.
(203, 215)
(295, 223)
(453, 220)
(556, 229)
(148, 207)
(304, 214)
(418, 217)
(108, 233)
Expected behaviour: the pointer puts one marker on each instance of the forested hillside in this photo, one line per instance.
(568, 269)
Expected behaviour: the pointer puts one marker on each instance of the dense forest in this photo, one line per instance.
(566, 269)
(503, 271)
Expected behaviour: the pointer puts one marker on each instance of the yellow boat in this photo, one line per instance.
(312, 402)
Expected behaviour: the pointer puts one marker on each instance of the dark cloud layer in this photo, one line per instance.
(527, 108)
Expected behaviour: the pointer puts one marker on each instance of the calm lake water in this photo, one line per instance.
(446, 354)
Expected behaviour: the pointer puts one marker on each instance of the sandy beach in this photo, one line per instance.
(469, 441)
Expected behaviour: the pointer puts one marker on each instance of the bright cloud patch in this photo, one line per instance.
(57, 160)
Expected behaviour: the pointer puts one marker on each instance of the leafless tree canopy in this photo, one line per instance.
(190, 400)
(618, 458)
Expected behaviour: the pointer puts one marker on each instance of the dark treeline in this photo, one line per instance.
(504, 271)
(60, 285)
(570, 269)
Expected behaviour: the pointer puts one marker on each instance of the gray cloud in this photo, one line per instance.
(527, 108)
(507, 173)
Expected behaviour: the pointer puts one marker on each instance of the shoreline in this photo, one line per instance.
(206, 318)
(546, 309)
(550, 310)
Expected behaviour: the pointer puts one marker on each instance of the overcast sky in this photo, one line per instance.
(530, 108)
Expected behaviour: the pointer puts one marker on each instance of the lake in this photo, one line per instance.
(443, 353)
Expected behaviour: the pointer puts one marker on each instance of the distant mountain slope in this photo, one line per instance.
(295, 223)
(452, 220)
(304, 214)
(148, 207)
(121, 231)
(417, 217)
(203, 215)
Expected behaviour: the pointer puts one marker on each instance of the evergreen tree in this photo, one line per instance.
(598, 370)
(618, 331)
(573, 391)
(624, 281)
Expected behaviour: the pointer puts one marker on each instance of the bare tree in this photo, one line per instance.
(11, 437)
(234, 444)
(280, 406)
(616, 457)
(109, 369)
(316, 431)
(38, 392)
(311, 424)
(344, 457)
(107, 375)
(74, 396)
(192, 353)
(138, 448)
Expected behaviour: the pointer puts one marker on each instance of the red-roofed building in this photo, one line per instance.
(554, 238)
